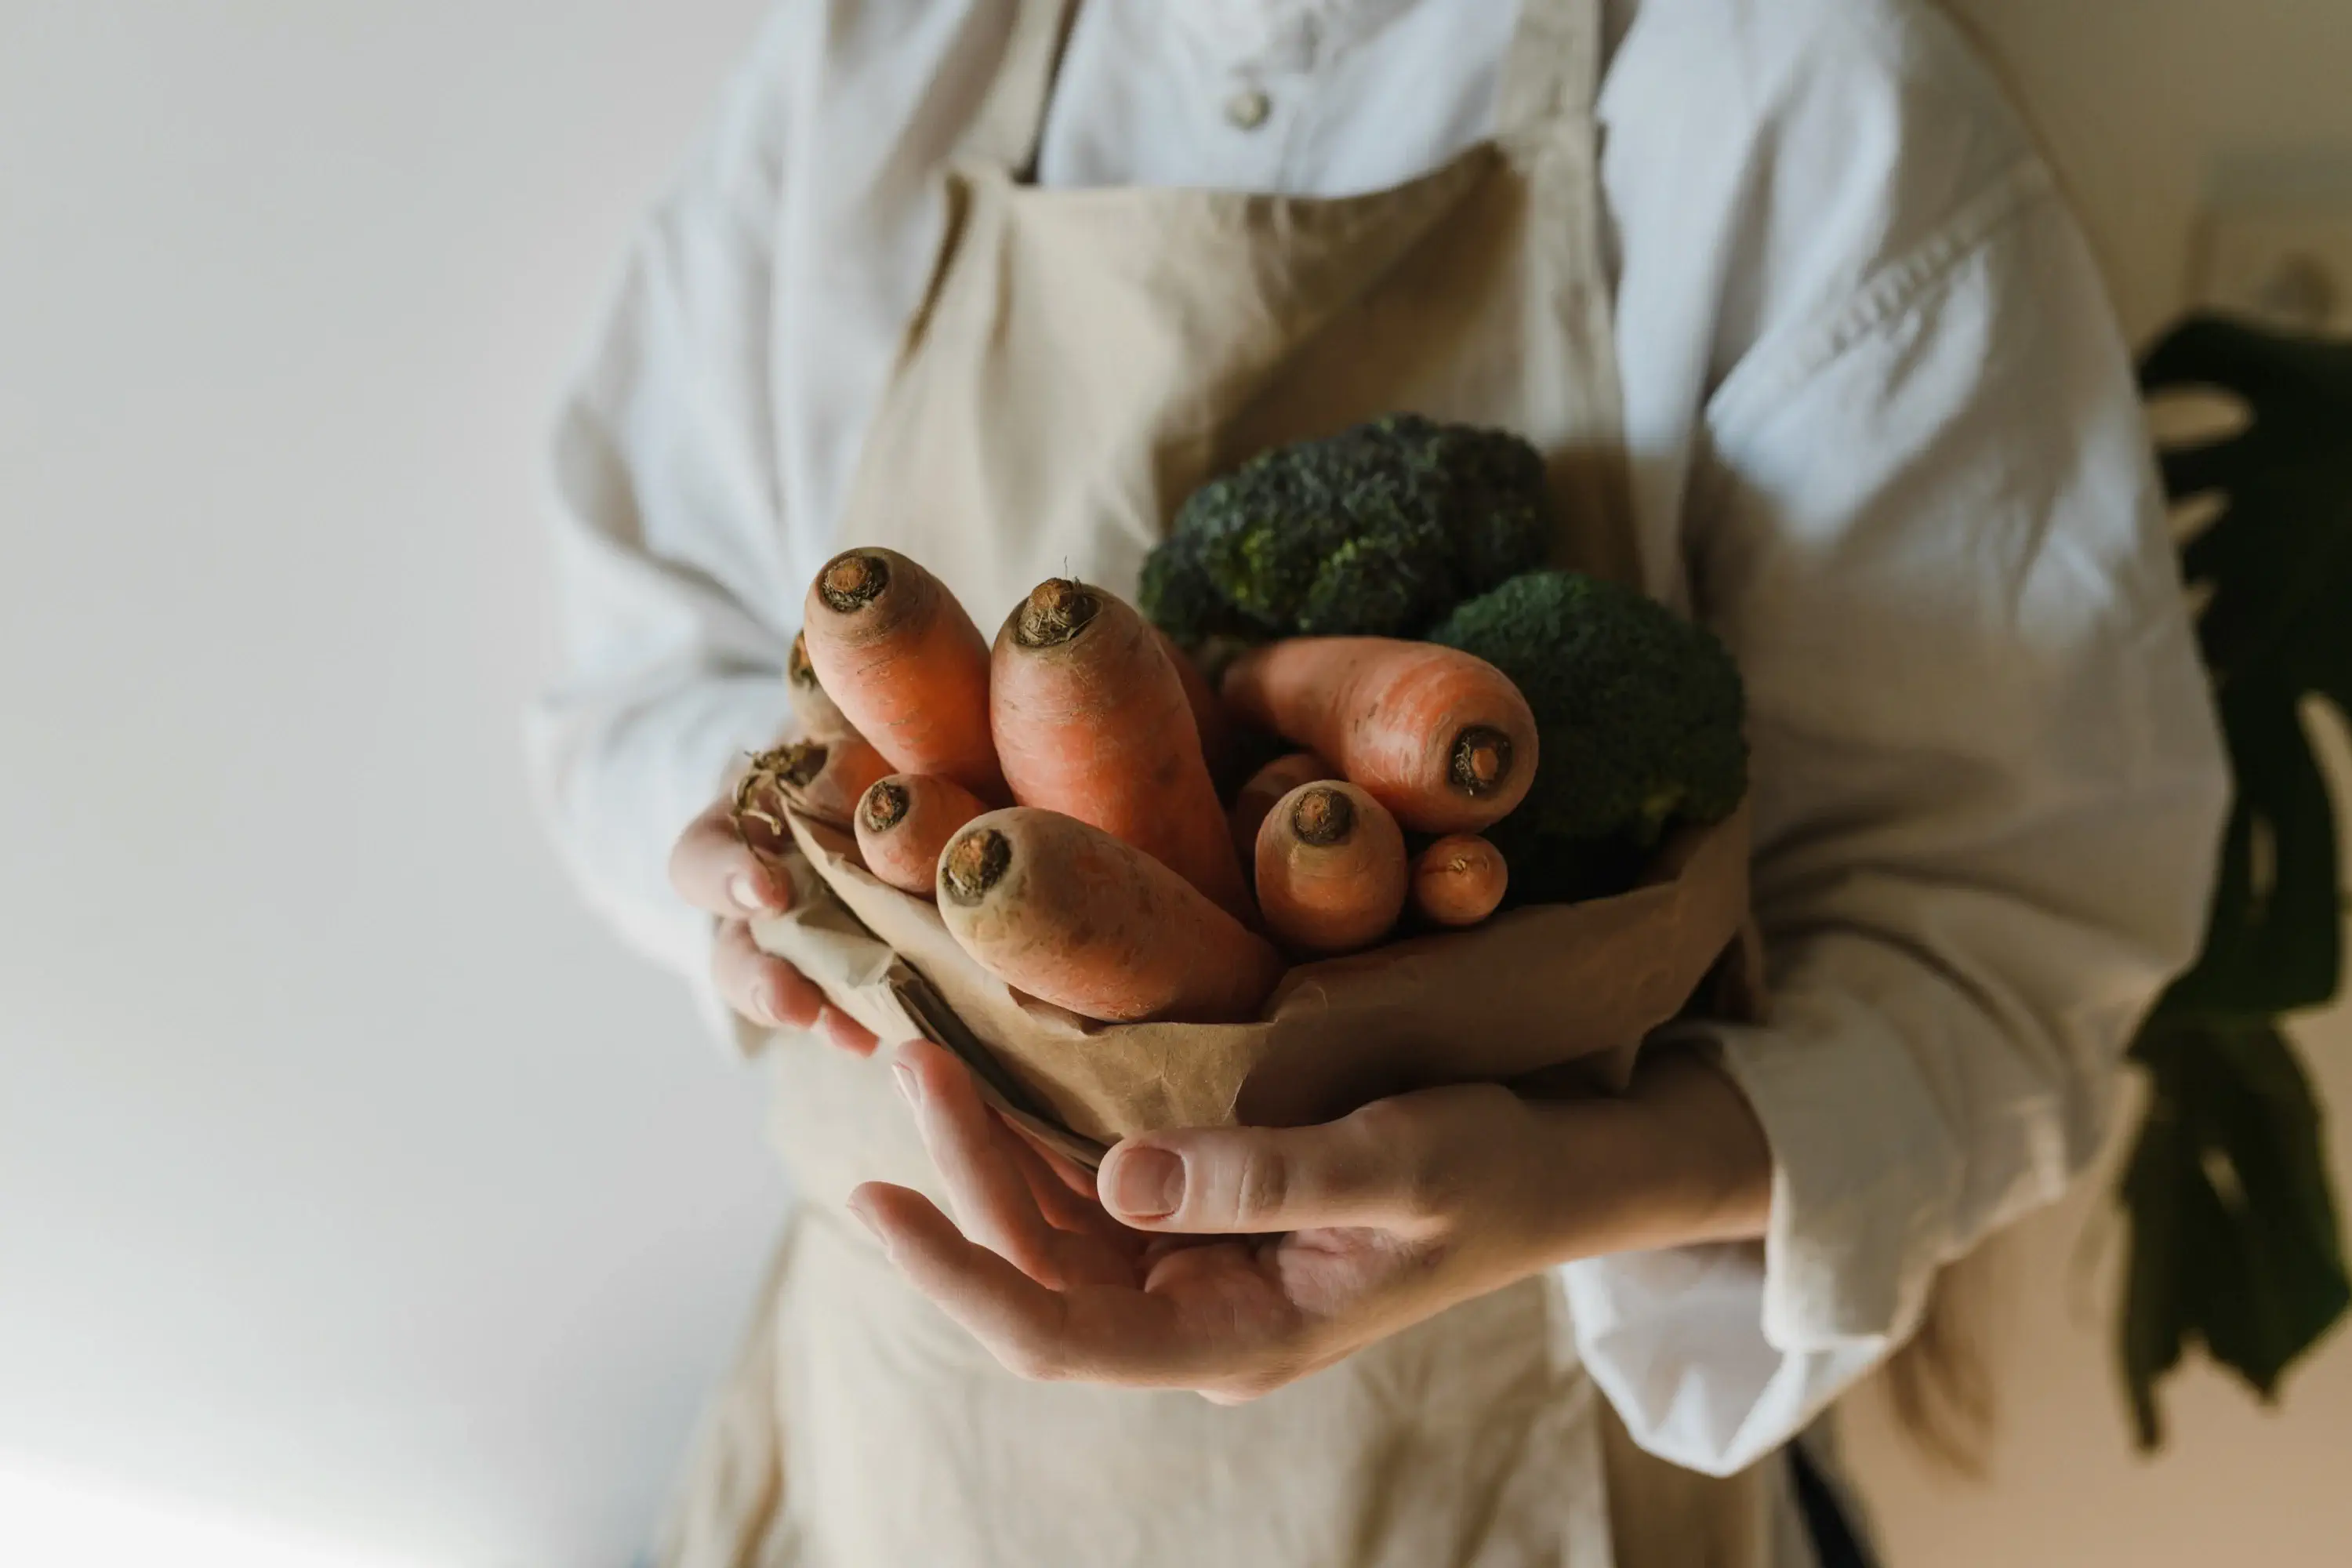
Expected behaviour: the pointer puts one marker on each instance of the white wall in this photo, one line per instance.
(2155, 110)
(347, 1176)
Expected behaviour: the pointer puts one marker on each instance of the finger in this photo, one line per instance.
(714, 867)
(1380, 1166)
(1101, 1335)
(840, 1030)
(1018, 1320)
(1068, 1171)
(764, 989)
(1066, 1206)
(985, 1182)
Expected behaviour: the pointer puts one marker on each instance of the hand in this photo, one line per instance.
(1234, 1260)
(733, 869)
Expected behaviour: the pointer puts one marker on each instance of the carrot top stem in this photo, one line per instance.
(853, 580)
(797, 666)
(1482, 760)
(886, 806)
(797, 762)
(1055, 610)
(975, 863)
(1323, 817)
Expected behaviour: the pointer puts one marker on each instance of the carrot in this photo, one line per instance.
(1262, 789)
(1440, 737)
(1330, 868)
(1458, 881)
(820, 719)
(903, 823)
(822, 779)
(1209, 717)
(905, 664)
(1090, 721)
(1073, 916)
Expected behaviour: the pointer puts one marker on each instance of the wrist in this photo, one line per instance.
(1679, 1159)
(1718, 1162)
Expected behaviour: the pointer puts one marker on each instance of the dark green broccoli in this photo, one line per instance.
(1376, 531)
(1639, 715)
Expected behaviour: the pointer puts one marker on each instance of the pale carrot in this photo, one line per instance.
(1330, 868)
(1090, 721)
(820, 719)
(1440, 737)
(1459, 880)
(905, 664)
(1262, 789)
(1072, 916)
(903, 823)
(819, 779)
(1209, 717)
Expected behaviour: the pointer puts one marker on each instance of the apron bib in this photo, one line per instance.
(1083, 359)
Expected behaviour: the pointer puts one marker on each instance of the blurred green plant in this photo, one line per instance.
(2235, 1238)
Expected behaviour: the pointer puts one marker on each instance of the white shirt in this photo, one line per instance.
(1879, 413)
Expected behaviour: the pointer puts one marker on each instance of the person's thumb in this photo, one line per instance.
(1368, 1169)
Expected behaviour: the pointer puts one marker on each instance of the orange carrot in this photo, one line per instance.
(903, 823)
(1440, 737)
(905, 664)
(1216, 729)
(820, 719)
(1330, 868)
(1458, 881)
(1073, 916)
(1268, 784)
(822, 779)
(1090, 721)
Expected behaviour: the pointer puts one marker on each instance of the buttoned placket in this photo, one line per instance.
(1268, 89)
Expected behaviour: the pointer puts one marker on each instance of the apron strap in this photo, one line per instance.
(1005, 134)
(1552, 72)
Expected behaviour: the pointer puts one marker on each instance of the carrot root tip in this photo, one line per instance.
(975, 863)
(798, 668)
(884, 806)
(1055, 610)
(1323, 817)
(853, 580)
(1482, 761)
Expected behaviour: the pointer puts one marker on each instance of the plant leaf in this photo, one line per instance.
(2273, 942)
(2235, 1236)
(2277, 625)
(2156, 1314)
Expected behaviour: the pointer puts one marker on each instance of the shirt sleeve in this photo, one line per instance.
(674, 605)
(1988, 789)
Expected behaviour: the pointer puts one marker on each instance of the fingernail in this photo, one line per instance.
(771, 1006)
(747, 892)
(1149, 1184)
(906, 1077)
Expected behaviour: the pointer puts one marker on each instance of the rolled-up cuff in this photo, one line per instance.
(1716, 1355)
(1864, 1180)
(1675, 1340)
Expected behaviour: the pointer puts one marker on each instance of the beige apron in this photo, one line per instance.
(1082, 360)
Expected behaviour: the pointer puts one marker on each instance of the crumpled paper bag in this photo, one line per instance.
(1559, 995)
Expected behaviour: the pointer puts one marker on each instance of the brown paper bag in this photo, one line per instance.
(1560, 992)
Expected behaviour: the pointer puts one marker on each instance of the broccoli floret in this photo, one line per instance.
(1373, 532)
(1640, 717)
(1177, 596)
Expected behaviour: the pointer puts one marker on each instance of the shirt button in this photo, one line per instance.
(1247, 110)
